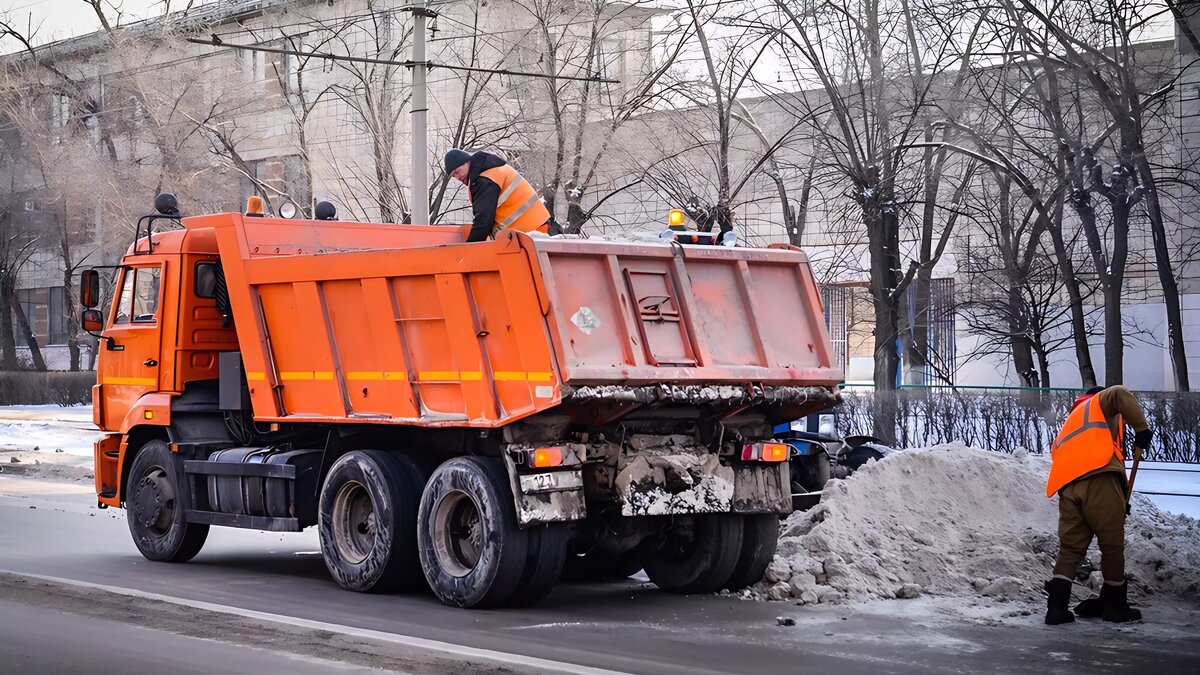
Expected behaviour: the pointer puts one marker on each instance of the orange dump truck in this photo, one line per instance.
(480, 418)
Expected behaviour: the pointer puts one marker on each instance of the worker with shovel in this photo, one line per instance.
(1088, 475)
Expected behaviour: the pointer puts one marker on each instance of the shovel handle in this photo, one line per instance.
(1137, 458)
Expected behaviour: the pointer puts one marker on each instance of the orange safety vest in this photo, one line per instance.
(519, 206)
(1084, 444)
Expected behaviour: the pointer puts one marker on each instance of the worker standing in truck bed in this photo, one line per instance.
(500, 197)
(1088, 475)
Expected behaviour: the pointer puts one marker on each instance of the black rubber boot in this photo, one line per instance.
(1116, 604)
(1092, 608)
(1058, 605)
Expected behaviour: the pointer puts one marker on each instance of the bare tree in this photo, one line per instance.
(1101, 50)
(878, 67)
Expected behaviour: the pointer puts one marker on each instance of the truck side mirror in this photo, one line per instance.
(92, 321)
(89, 289)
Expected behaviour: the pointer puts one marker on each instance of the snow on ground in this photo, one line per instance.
(960, 523)
(47, 441)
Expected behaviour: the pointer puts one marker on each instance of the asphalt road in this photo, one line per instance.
(251, 598)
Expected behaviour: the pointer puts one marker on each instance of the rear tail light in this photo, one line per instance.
(766, 452)
(546, 457)
(549, 457)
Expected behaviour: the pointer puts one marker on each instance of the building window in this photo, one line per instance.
(60, 115)
(837, 321)
(27, 300)
(296, 181)
(290, 77)
(58, 333)
(251, 64)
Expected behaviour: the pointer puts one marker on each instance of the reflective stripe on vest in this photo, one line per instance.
(1084, 444)
(519, 206)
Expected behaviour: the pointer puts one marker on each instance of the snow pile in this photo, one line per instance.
(962, 522)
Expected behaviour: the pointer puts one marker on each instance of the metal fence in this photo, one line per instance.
(1005, 420)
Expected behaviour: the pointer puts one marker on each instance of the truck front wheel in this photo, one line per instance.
(154, 507)
(698, 555)
(472, 551)
(367, 522)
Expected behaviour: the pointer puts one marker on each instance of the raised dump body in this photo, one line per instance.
(482, 335)
(474, 417)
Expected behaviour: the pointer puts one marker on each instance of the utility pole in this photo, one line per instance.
(420, 108)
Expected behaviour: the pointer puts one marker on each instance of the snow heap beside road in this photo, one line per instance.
(957, 521)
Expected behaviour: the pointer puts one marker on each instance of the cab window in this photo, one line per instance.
(139, 295)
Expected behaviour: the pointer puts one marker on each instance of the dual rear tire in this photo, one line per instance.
(384, 528)
(710, 552)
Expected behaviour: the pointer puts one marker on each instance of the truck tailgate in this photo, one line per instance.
(646, 313)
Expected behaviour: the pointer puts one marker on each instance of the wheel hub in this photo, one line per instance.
(354, 524)
(154, 502)
(458, 533)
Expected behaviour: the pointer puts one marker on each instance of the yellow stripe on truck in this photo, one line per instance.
(132, 381)
(301, 375)
(364, 375)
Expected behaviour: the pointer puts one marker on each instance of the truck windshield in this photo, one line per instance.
(139, 295)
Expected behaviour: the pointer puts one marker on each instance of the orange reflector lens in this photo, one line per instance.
(254, 206)
(149, 415)
(774, 452)
(546, 457)
(675, 217)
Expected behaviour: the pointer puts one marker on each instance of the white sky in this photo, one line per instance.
(61, 19)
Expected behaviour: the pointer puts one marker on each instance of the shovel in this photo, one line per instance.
(1137, 459)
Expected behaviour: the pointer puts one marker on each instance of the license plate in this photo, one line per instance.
(551, 481)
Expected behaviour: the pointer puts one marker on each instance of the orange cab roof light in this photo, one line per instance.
(675, 217)
(254, 207)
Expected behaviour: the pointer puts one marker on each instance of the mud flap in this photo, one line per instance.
(546, 496)
(762, 487)
(666, 475)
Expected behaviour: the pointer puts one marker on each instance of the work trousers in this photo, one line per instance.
(1092, 506)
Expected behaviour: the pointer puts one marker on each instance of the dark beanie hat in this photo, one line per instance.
(456, 158)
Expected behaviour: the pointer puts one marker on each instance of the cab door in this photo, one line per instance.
(131, 344)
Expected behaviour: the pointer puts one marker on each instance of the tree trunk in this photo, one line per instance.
(1043, 366)
(1114, 340)
(882, 235)
(8, 346)
(1166, 276)
(1022, 346)
(576, 217)
(1066, 267)
(35, 352)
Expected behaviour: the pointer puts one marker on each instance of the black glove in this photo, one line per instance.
(1142, 439)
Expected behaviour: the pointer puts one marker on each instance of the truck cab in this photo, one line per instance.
(160, 332)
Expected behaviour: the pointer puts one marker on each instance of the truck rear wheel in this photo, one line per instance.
(760, 536)
(367, 522)
(154, 507)
(543, 564)
(472, 551)
(699, 554)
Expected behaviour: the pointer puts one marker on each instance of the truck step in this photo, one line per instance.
(246, 522)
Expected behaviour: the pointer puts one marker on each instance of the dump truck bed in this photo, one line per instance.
(357, 322)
